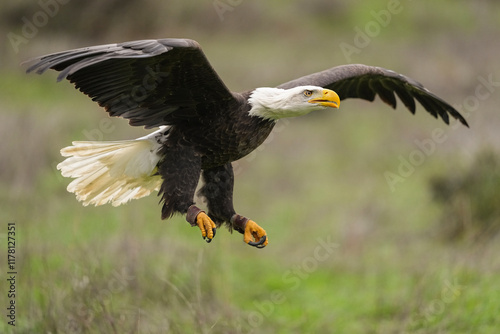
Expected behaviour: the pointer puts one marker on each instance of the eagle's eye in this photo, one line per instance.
(308, 93)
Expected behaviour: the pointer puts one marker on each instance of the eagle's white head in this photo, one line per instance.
(276, 103)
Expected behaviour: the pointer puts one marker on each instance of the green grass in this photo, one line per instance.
(319, 180)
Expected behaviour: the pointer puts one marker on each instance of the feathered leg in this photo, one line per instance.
(180, 171)
(218, 192)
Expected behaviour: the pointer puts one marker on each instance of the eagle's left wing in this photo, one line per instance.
(149, 82)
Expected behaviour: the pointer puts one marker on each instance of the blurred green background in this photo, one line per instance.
(376, 223)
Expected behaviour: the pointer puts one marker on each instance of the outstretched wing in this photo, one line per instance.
(365, 82)
(149, 82)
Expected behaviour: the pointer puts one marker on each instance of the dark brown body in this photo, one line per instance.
(223, 139)
(207, 146)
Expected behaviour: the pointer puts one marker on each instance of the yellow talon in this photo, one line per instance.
(206, 225)
(255, 232)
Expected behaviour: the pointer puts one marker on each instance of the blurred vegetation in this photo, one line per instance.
(470, 200)
(318, 179)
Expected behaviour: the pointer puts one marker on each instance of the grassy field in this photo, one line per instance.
(349, 251)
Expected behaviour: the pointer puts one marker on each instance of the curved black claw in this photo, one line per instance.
(214, 230)
(258, 244)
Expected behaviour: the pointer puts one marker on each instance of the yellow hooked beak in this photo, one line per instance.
(329, 99)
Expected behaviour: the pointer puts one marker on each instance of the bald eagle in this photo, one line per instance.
(203, 126)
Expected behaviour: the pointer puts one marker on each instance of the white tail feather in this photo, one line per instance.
(115, 171)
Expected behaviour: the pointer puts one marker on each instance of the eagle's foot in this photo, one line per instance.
(198, 217)
(253, 234)
(206, 225)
